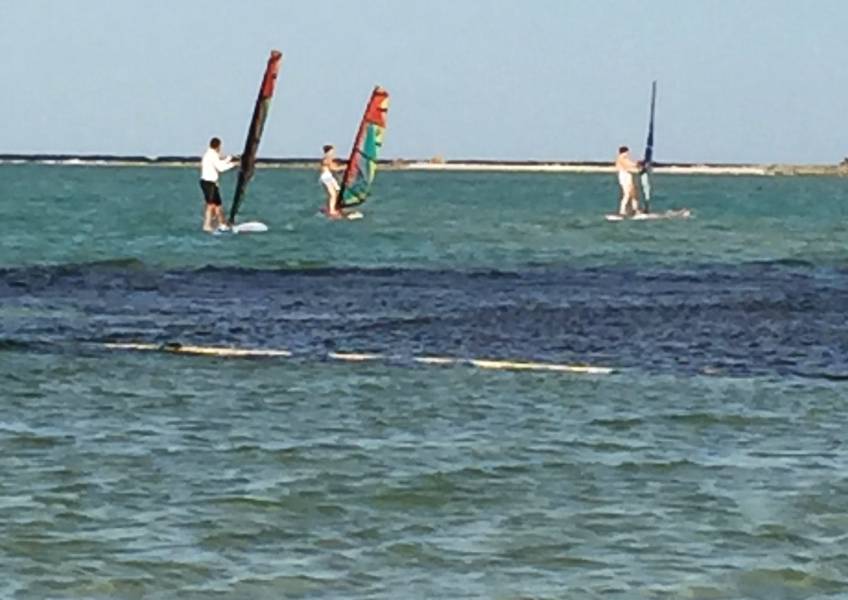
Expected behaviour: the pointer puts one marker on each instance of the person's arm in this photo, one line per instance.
(225, 164)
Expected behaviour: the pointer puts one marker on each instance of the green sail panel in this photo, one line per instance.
(362, 164)
(247, 166)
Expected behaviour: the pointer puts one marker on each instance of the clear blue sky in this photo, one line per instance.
(740, 80)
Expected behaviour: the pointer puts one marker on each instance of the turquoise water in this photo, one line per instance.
(430, 220)
(710, 464)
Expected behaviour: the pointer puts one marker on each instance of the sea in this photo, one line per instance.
(710, 463)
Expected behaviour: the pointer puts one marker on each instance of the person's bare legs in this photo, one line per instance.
(332, 201)
(336, 208)
(634, 201)
(624, 203)
(207, 217)
(219, 216)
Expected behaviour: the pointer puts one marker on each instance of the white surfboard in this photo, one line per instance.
(250, 227)
(683, 213)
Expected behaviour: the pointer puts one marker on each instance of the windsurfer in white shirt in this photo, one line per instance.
(211, 166)
(627, 169)
(328, 180)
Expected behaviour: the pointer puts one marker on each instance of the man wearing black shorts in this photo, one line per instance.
(211, 166)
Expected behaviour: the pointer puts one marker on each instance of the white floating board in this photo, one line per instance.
(683, 213)
(250, 227)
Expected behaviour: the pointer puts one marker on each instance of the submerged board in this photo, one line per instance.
(347, 215)
(683, 213)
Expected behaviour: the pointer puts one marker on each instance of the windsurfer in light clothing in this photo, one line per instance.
(627, 169)
(211, 166)
(328, 180)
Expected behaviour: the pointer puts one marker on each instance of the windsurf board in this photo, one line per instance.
(683, 213)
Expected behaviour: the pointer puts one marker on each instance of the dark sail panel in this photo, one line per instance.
(648, 161)
(254, 132)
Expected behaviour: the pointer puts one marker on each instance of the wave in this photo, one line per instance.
(688, 271)
(13, 345)
(783, 262)
(823, 375)
(297, 268)
(786, 583)
(130, 263)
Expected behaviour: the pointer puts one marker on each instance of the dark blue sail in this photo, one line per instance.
(648, 160)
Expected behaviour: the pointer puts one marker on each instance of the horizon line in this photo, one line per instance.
(292, 160)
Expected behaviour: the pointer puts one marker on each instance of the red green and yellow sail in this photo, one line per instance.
(247, 165)
(362, 164)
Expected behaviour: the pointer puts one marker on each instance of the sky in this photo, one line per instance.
(739, 81)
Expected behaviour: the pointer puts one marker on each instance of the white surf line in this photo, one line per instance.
(200, 350)
(435, 360)
(509, 365)
(361, 357)
(204, 350)
(355, 356)
(129, 346)
(506, 365)
(586, 168)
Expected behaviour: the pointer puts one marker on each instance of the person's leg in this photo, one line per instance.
(218, 212)
(332, 199)
(330, 204)
(633, 204)
(207, 207)
(207, 217)
(335, 193)
(623, 203)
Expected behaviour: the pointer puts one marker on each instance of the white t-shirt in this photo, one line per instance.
(212, 165)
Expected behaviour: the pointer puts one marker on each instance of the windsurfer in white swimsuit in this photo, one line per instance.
(328, 180)
(627, 169)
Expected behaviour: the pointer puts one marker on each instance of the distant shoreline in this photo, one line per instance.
(469, 165)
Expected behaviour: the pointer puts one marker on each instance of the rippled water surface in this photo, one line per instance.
(710, 464)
